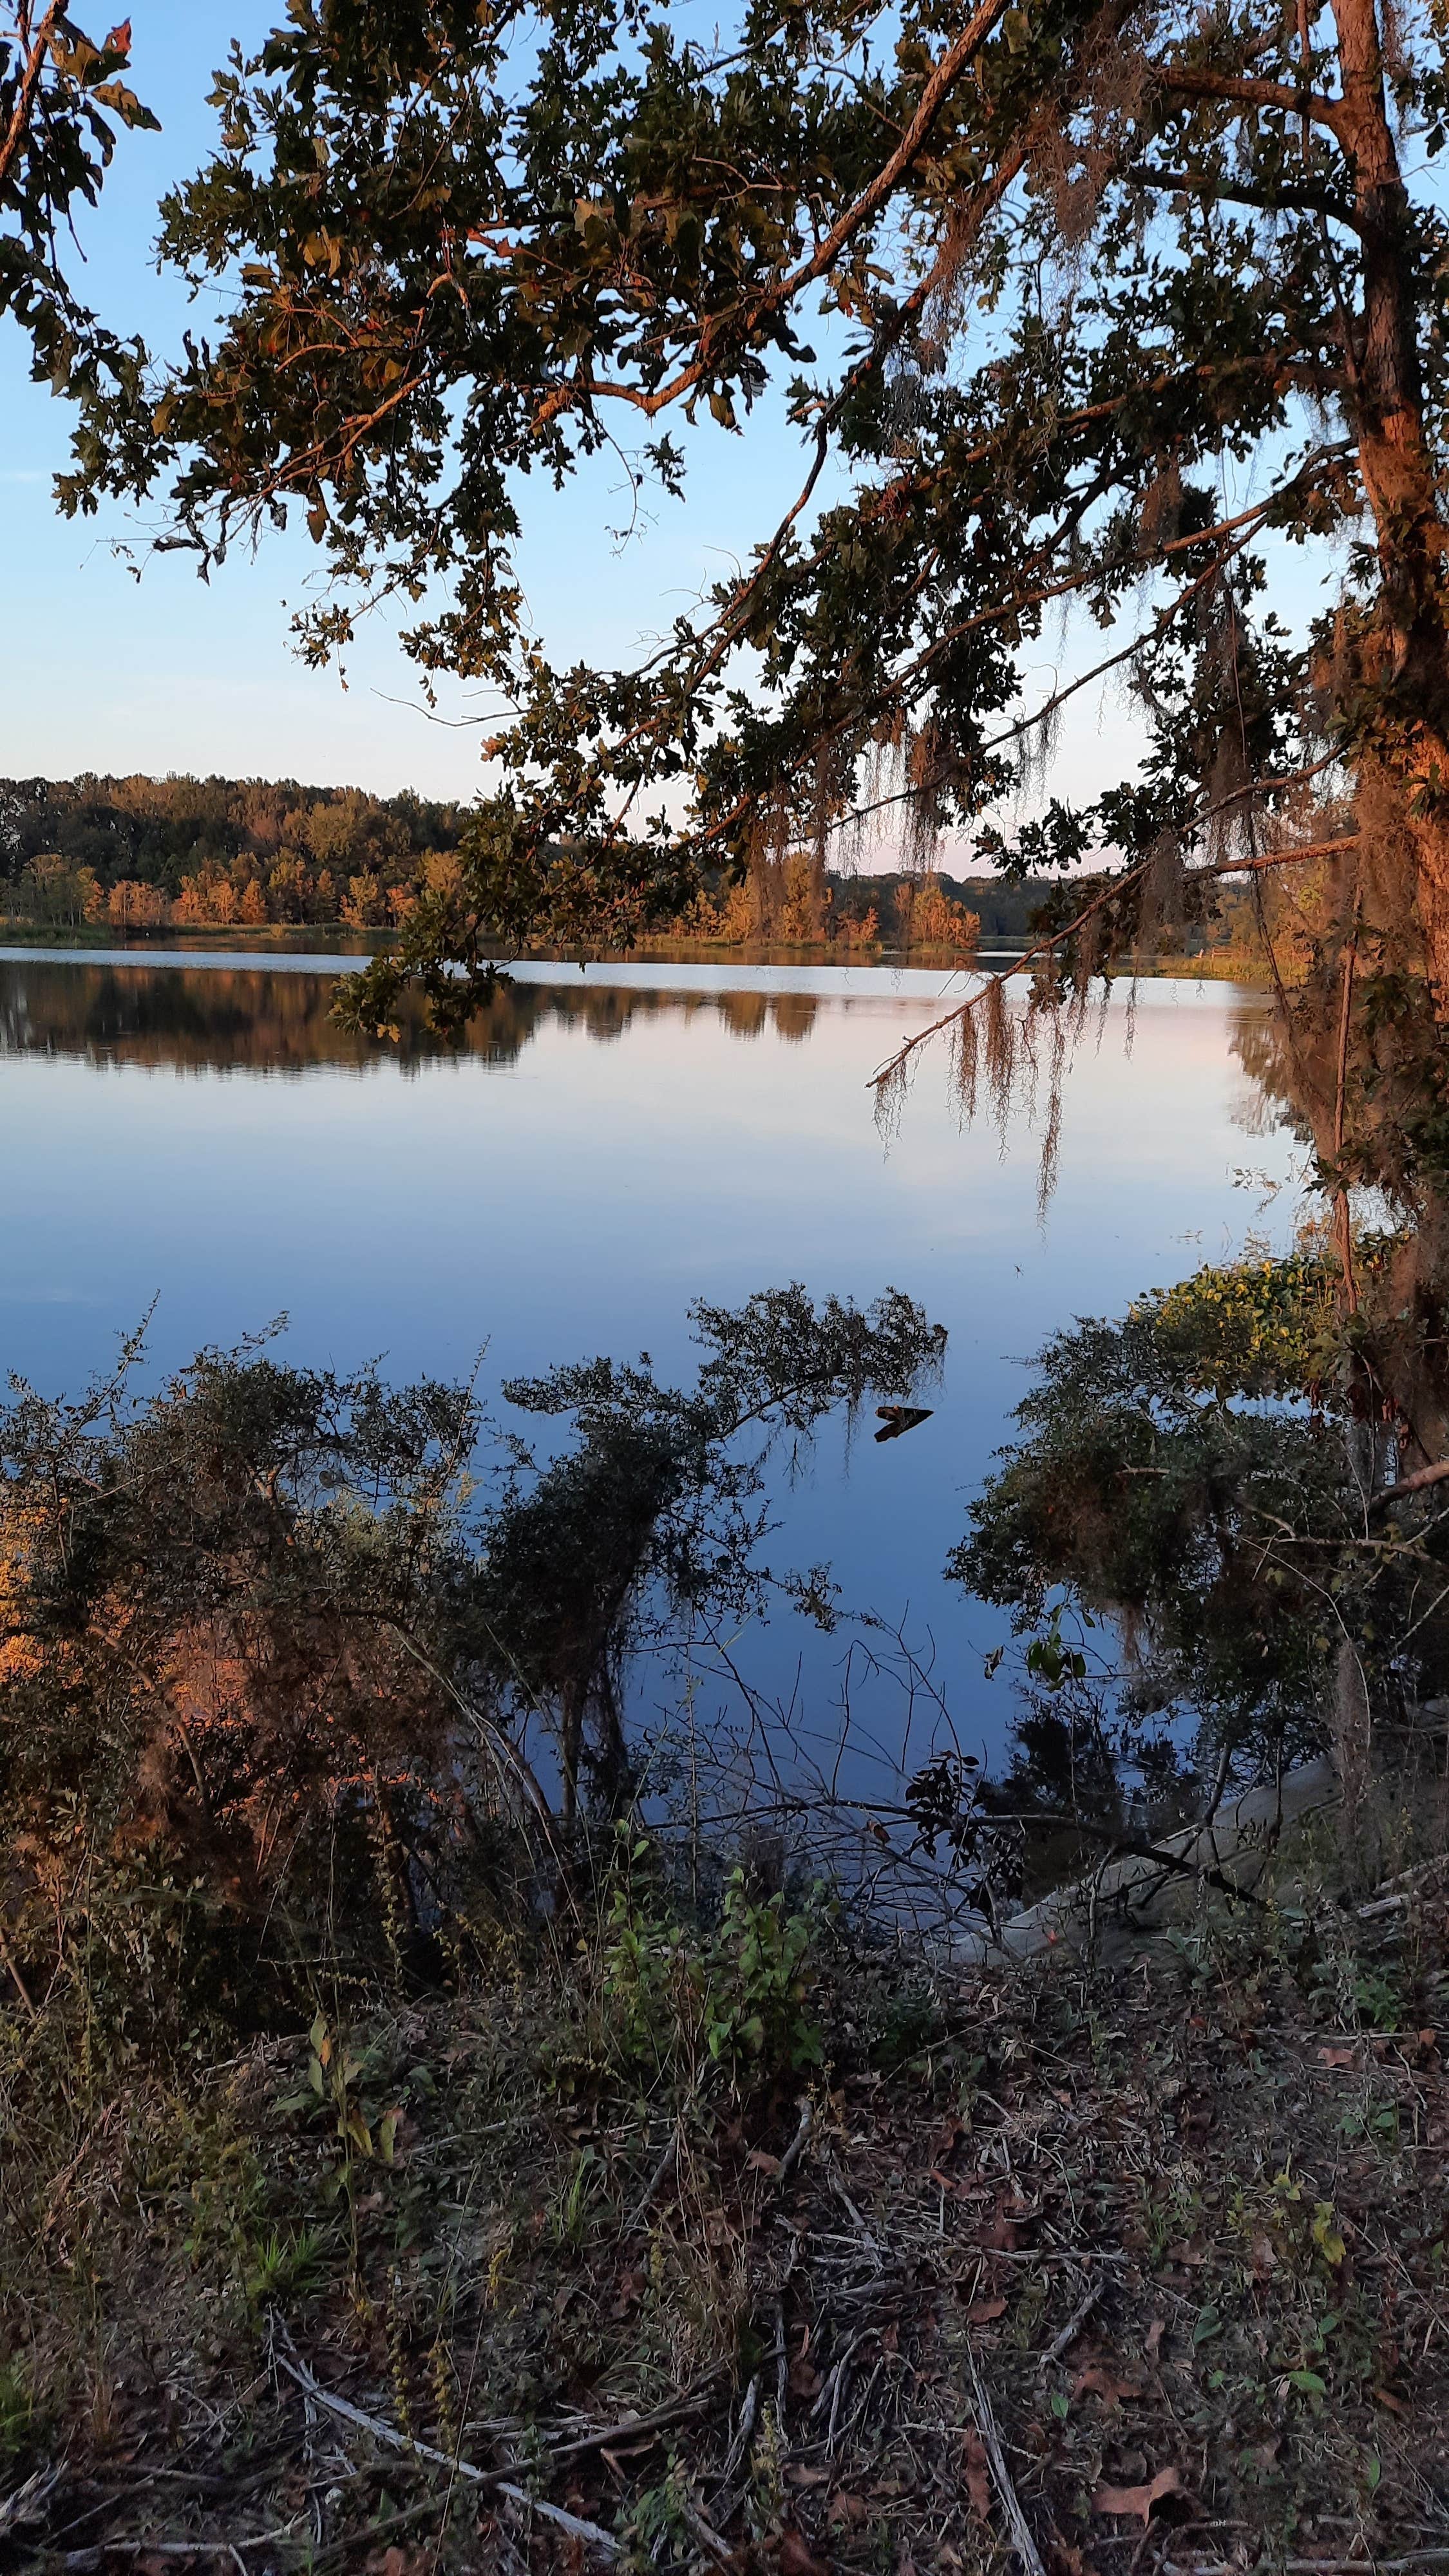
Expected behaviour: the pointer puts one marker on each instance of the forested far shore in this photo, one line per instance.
(136, 855)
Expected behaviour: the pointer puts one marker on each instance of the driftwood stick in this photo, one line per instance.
(796, 2147)
(381, 2431)
(1017, 2525)
(1063, 2342)
(744, 2430)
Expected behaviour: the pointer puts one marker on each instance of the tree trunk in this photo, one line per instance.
(1397, 470)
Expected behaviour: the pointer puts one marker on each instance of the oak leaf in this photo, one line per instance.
(1138, 2500)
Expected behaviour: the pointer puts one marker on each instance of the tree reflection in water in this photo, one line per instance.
(209, 1019)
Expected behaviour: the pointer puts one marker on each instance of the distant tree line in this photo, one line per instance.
(145, 853)
(137, 852)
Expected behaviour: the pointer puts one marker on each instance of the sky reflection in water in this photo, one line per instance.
(606, 1149)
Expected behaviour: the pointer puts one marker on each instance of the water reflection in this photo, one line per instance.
(600, 1152)
(222, 1019)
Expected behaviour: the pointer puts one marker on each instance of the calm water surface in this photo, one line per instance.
(609, 1147)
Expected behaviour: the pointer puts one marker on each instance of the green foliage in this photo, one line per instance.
(59, 93)
(1033, 290)
(678, 2001)
(1249, 1328)
(1194, 1472)
(759, 2020)
(272, 1642)
(658, 1509)
(278, 834)
(285, 2266)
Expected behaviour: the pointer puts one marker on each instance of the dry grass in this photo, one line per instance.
(1177, 2228)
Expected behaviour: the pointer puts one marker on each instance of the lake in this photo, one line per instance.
(199, 1134)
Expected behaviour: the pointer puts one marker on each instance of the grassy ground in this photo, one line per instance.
(1136, 2269)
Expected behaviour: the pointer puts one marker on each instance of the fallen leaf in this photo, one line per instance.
(1191, 2251)
(1066, 2560)
(762, 2162)
(1387, 2398)
(1155, 2334)
(978, 2476)
(1265, 2257)
(1336, 2056)
(1138, 2500)
(801, 2476)
(1105, 2382)
(846, 2507)
(984, 2312)
(796, 2557)
(998, 2238)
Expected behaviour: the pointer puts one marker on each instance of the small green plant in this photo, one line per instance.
(333, 2072)
(284, 2264)
(737, 1998)
(760, 2019)
(662, 2523)
(579, 2192)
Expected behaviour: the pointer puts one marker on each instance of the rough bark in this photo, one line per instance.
(1398, 472)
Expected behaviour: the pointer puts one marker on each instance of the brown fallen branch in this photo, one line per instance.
(204, 2546)
(672, 2413)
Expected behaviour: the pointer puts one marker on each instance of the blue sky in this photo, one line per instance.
(105, 672)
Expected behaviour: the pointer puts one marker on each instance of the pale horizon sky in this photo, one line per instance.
(104, 672)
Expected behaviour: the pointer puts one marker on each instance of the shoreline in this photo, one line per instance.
(346, 950)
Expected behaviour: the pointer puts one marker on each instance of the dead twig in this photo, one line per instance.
(1063, 2342)
(1017, 2525)
(381, 2431)
(678, 2407)
(796, 2147)
(205, 2546)
(667, 2165)
(27, 2502)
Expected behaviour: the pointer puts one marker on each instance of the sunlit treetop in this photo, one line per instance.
(1071, 306)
